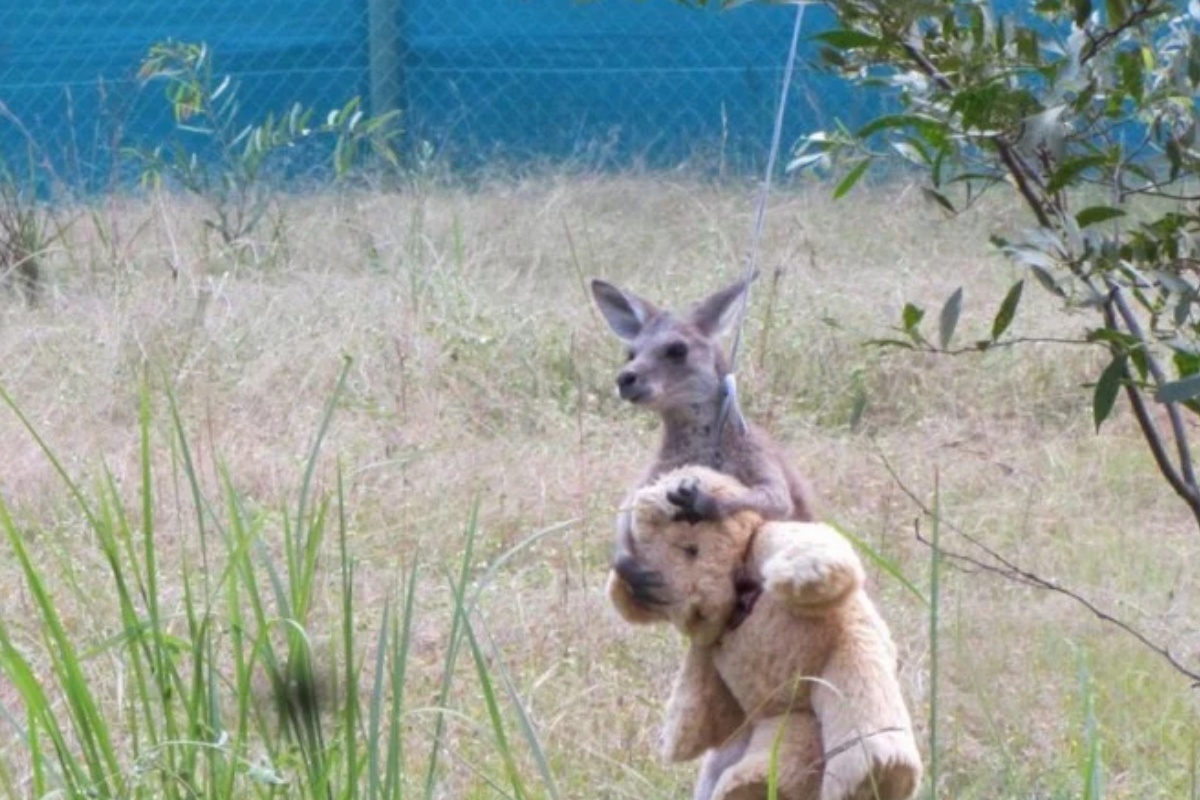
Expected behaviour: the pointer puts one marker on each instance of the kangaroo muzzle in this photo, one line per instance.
(631, 387)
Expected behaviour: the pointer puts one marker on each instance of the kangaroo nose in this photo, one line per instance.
(626, 379)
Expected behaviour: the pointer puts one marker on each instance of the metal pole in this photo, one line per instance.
(384, 54)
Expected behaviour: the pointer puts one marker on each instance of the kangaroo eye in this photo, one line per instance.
(676, 351)
(631, 355)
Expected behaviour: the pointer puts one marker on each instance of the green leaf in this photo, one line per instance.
(1083, 10)
(1107, 388)
(1179, 391)
(1008, 310)
(845, 39)
(912, 151)
(1097, 214)
(1071, 169)
(1186, 363)
(889, 343)
(1028, 48)
(1126, 340)
(935, 196)
(1047, 280)
(848, 182)
(1131, 68)
(881, 561)
(912, 316)
(924, 125)
(948, 320)
(1174, 156)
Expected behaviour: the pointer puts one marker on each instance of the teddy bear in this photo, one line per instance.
(789, 666)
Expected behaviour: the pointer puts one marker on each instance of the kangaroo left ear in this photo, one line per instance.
(715, 314)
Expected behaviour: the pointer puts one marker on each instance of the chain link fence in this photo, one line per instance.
(601, 84)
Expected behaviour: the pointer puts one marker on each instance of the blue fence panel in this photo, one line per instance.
(68, 69)
(609, 82)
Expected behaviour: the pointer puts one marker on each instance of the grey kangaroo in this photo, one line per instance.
(676, 368)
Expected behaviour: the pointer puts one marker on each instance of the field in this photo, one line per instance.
(477, 442)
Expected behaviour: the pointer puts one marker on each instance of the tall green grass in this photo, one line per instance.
(221, 692)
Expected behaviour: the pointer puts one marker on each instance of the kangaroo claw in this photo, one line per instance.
(695, 504)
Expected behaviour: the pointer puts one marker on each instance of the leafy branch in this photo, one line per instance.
(1088, 115)
(227, 161)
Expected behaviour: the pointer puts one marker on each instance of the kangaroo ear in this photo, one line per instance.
(625, 313)
(714, 314)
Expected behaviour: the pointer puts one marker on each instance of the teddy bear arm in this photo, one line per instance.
(809, 566)
(701, 713)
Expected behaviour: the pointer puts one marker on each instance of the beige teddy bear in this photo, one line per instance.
(786, 652)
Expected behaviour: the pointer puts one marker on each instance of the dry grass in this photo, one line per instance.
(480, 372)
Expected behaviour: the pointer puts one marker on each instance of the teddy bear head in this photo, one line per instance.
(684, 572)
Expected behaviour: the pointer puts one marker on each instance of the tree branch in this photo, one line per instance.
(1178, 430)
(1007, 569)
(1012, 162)
(1095, 45)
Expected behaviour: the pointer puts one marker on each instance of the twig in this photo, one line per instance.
(984, 345)
(1009, 570)
(1097, 43)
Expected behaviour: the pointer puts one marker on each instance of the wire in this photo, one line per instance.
(730, 406)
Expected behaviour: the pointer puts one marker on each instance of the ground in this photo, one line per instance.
(479, 373)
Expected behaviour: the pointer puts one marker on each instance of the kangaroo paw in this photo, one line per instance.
(694, 504)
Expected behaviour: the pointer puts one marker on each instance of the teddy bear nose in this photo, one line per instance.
(644, 584)
(627, 566)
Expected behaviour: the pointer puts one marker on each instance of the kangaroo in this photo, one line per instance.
(676, 367)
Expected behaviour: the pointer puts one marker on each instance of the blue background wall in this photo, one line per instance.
(609, 83)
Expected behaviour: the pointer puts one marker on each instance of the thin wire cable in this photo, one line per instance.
(730, 404)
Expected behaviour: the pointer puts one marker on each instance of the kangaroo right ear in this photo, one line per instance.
(625, 313)
(715, 314)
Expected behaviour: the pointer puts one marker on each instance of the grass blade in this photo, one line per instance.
(935, 598)
(451, 651)
(883, 562)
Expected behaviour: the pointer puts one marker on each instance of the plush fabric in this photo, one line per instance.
(785, 650)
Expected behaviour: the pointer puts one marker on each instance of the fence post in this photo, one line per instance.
(385, 49)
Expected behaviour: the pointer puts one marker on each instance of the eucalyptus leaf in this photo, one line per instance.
(852, 178)
(948, 319)
(845, 39)
(1069, 171)
(912, 316)
(937, 197)
(1094, 215)
(1047, 280)
(1179, 391)
(1008, 310)
(1107, 389)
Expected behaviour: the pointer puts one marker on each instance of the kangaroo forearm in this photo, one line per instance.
(772, 502)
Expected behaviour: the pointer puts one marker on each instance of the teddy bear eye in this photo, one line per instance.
(690, 550)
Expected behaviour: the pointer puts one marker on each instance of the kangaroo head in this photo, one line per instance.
(674, 362)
